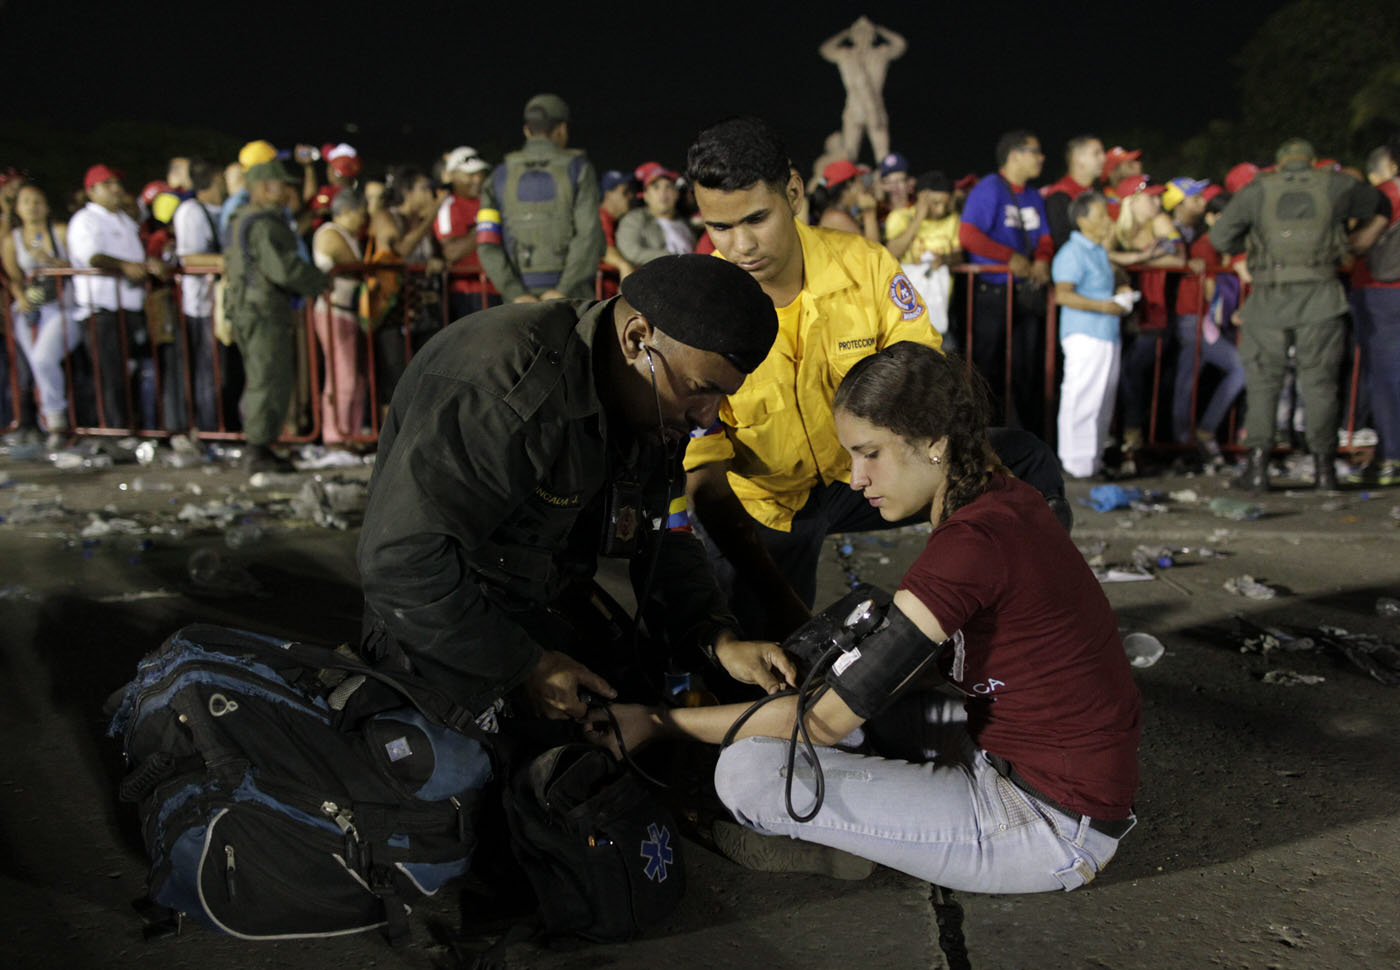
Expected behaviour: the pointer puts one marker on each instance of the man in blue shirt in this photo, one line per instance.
(1004, 222)
(1089, 312)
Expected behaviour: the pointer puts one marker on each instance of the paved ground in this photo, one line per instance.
(1270, 836)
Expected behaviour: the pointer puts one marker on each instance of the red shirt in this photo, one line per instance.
(456, 218)
(1189, 292)
(609, 222)
(1050, 688)
(1361, 275)
(1066, 185)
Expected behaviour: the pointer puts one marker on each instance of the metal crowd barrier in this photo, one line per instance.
(412, 328)
(1052, 366)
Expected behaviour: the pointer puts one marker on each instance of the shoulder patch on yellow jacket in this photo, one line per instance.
(905, 297)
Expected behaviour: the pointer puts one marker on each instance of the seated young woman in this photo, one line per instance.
(1024, 781)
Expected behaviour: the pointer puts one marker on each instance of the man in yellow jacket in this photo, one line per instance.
(769, 481)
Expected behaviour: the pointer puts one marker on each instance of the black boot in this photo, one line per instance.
(1325, 472)
(1255, 476)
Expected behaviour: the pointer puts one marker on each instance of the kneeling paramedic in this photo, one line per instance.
(524, 441)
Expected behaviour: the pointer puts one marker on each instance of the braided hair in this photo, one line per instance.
(922, 395)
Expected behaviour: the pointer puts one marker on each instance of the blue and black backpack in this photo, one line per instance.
(262, 817)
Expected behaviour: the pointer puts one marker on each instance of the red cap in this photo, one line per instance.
(347, 166)
(649, 172)
(1211, 191)
(1328, 163)
(966, 182)
(1134, 184)
(11, 173)
(1240, 176)
(1116, 156)
(151, 190)
(343, 158)
(840, 171)
(98, 174)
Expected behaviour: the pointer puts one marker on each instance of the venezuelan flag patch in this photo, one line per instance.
(488, 226)
(678, 516)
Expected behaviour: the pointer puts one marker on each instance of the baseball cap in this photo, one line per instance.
(1240, 176)
(464, 159)
(1134, 184)
(1181, 187)
(344, 159)
(153, 189)
(546, 108)
(99, 173)
(255, 153)
(967, 182)
(612, 178)
(840, 171)
(1116, 156)
(894, 162)
(1210, 192)
(649, 172)
(273, 171)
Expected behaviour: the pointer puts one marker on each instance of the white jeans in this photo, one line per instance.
(45, 350)
(1087, 393)
(947, 817)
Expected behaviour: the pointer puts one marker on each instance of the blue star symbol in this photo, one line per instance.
(657, 852)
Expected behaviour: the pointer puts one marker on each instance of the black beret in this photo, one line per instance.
(706, 303)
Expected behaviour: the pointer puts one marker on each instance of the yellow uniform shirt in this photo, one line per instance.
(938, 236)
(777, 431)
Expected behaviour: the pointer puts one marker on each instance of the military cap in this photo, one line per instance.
(273, 171)
(546, 109)
(1295, 148)
(706, 303)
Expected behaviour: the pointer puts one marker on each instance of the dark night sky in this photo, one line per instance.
(641, 78)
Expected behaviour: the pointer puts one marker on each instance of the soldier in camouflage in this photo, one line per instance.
(264, 274)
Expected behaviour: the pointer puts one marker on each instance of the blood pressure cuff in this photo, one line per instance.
(882, 665)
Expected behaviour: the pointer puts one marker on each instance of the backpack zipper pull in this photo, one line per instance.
(347, 827)
(230, 869)
(461, 819)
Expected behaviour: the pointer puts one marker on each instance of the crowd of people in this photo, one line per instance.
(1148, 308)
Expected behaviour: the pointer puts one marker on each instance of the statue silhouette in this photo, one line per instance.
(862, 53)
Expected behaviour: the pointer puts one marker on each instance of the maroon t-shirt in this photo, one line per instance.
(1050, 688)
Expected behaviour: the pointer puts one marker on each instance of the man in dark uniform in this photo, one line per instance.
(524, 441)
(264, 274)
(538, 233)
(1296, 225)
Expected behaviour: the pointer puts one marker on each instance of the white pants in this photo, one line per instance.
(1087, 393)
(933, 285)
(45, 339)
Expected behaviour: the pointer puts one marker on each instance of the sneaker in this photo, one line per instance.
(1208, 450)
(778, 853)
(1389, 473)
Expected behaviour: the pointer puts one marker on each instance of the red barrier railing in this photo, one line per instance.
(411, 326)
